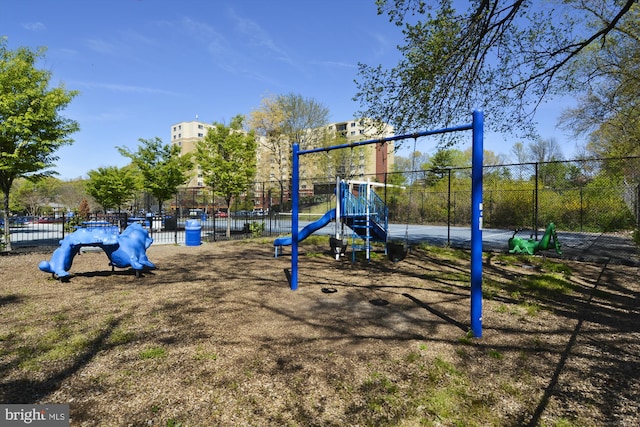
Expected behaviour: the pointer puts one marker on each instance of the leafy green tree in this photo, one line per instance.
(31, 127)
(111, 186)
(227, 158)
(162, 168)
(32, 196)
(443, 159)
(505, 56)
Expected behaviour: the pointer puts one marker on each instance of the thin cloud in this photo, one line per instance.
(34, 26)
(101, 46)
(382, 44)
(116, 87)
(222, 51)
(258, 38)
(202, 32)
(334, 64)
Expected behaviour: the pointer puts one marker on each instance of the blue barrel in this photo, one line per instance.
(192, 232)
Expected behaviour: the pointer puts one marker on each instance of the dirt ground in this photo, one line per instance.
(214, 336)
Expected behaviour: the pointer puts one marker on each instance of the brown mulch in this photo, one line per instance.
(214, 336)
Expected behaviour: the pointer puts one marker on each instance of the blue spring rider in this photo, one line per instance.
(123, 250)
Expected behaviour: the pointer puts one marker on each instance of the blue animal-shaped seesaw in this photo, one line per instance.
(127, 249)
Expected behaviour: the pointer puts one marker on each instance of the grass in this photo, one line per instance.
(153, 353)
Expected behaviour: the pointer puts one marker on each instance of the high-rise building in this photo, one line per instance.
(372, 160)
(186, 135)
(377, 159)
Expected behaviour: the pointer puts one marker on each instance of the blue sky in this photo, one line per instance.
(144, 65)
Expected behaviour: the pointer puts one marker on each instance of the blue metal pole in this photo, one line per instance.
(295, 178)
(476, 224)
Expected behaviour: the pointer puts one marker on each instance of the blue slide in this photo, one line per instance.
(308, 230)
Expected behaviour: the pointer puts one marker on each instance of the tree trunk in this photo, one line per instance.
(229, 217)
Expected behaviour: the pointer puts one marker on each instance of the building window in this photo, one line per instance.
(353, 124)
(200, 127)
(200, 135)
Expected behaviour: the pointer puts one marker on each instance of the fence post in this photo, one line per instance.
(175, 216)
(581, 208)
(449, 209)
(638, 207)
(535, 203)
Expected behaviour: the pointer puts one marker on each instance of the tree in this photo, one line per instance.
(284, 120)
(227, 158)
(330, 164)
(71, 193)
(84, 210)
(32, 196)
(31, 127)
(442, 160)
(505, 56)
(545, 150)
(609, 112)
(552, 172)
(111, 186)
(521, 156)
(162, 168)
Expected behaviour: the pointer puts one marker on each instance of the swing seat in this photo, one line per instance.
(338, 246)
(397, 251)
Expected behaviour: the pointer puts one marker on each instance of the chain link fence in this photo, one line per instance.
(575, 195)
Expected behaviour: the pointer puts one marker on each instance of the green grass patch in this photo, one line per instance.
(153, 353)
(546, 285)
(437, 392)
(551, 265)
(121, 337)
(494, 354)
(313, 254)
(445, 253)
(316, 240)
(202, 354)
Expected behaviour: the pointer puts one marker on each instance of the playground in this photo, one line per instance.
(215, 336)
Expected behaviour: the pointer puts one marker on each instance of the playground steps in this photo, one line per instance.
(357, 224)
(361, 237)
(356, 210)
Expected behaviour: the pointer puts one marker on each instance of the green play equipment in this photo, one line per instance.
(518, 245)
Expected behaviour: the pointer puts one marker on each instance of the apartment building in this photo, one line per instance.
(369, 160)
(186, 135)
(375, 159)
